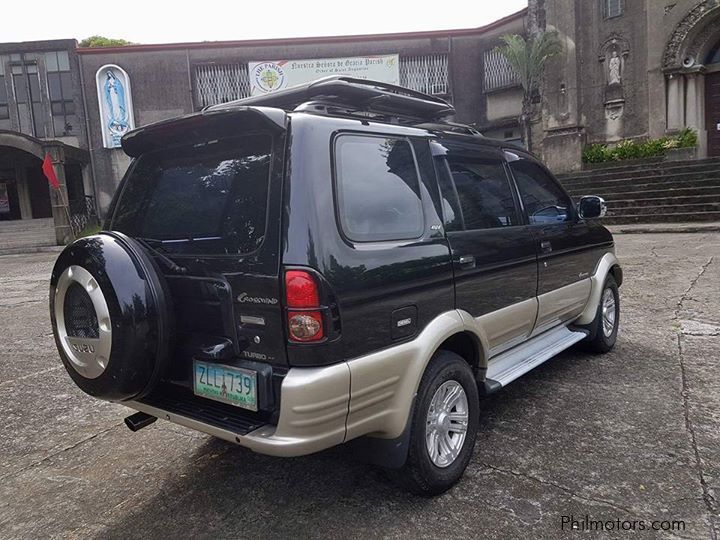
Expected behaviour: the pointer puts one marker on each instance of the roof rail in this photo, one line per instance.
(451, 127)
(354, 96)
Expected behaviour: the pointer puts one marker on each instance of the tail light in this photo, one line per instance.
(305, 320)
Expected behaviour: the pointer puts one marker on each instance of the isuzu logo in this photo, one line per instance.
(244, 298)
(83, 348)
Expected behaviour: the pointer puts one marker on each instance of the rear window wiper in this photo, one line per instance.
(169, 263)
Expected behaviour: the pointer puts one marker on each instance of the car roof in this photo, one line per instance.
(441, 130)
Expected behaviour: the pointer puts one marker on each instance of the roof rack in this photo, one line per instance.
(347, 95)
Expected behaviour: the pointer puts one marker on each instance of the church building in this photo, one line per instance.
(628, 70)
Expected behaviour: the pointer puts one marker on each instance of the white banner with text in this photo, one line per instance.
(276, 75)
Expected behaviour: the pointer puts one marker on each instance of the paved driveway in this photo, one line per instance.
(633, 435)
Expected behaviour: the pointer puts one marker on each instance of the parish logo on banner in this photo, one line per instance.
(271, 76)
(268, 76)
(115, 102)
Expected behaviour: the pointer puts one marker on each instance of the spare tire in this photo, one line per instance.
(111, 316)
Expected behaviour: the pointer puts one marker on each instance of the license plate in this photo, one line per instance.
(232, 385)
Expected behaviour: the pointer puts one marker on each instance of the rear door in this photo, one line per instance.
(712, 92)
(565, 246)
(205, 192)
(493, 252)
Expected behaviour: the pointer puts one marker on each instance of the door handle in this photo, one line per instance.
(545, 246)
(467, 261)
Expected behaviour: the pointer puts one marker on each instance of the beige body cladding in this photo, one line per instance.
(372, 395)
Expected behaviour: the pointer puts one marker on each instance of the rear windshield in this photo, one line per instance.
(202, 199)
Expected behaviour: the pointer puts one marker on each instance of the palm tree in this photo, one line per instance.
(528, 56)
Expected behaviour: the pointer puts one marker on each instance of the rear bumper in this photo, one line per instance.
(326, 406)
(312, 416)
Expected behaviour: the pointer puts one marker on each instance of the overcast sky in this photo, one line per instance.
(159, 21)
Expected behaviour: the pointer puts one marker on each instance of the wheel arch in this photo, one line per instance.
(466, 345)
(384, 384)
(608, 265)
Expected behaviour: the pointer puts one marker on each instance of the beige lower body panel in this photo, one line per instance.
(510, 324)
(562, 305)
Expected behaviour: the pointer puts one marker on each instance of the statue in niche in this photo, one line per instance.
(615, 69)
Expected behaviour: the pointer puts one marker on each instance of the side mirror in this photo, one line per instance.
(592, 207)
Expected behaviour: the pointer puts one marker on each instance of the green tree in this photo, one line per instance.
(528, 56)
(100, 41)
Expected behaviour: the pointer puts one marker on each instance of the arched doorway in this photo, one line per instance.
(29, 209)
(24, 190)
(712, 100)
(691, 63)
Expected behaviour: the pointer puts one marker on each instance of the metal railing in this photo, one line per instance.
(220, 83)
(82, 214)
(427, 74)
(498, 72)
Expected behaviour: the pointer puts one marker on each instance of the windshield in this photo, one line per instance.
(202, 199)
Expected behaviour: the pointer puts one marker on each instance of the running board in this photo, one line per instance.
(510, 365)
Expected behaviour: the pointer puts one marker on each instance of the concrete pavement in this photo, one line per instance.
(632, 436)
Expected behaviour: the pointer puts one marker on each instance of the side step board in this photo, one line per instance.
(510, 365)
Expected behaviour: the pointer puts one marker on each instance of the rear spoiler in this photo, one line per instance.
(218, 123)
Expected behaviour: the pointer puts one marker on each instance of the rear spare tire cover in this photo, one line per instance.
(110, 312)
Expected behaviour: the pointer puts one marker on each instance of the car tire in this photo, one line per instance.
(604, 328)
(432, 474)
(112, 318)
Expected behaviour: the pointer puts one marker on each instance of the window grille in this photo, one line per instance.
(427, 74)
(219, 83)
(498, 73)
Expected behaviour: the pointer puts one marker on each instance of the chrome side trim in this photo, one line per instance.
(597, 281)
(509, 366)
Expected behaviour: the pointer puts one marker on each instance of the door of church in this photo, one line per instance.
(712, 106)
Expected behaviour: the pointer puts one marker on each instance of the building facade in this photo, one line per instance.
(171, 80)
(41, 113)
(629, 69)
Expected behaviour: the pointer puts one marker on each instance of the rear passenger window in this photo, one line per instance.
(378, 189)
(483, 191)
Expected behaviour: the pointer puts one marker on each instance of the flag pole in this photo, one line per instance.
(66, 205)
(48, 168)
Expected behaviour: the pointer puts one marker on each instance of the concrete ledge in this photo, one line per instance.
(30, 249)
(648, 228)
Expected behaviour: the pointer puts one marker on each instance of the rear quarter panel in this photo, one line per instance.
(368, 280)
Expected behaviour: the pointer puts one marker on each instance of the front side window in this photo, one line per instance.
(209, 199)
(484, 193)
(544, 200)
(378, 189)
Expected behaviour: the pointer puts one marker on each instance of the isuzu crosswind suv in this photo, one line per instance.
(333, 263)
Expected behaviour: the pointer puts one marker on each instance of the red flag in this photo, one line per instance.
(49, 171)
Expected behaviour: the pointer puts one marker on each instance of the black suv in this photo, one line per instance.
(326, 264)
